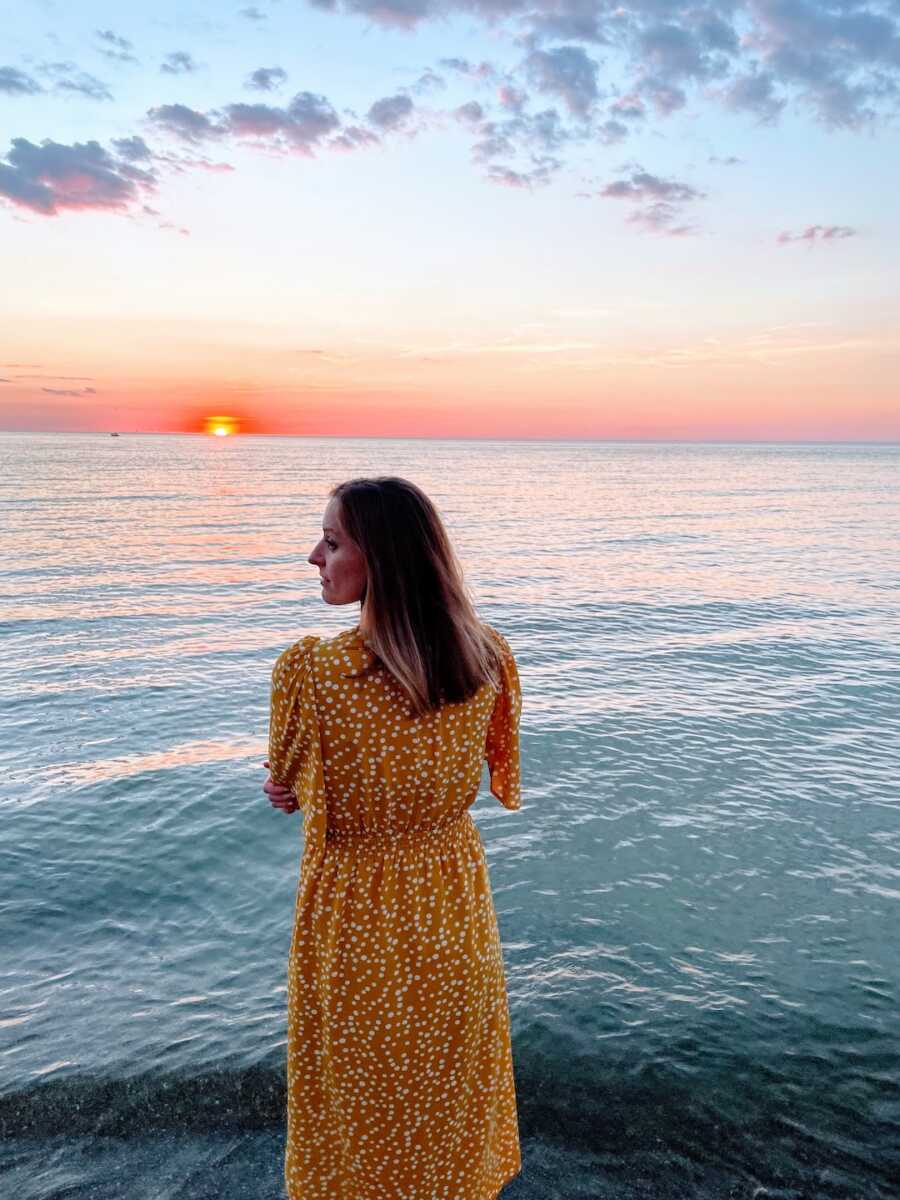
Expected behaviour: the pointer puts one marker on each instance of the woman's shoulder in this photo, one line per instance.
(320, 656)
(498, 638)
(342, 650)
(322, 647)
(296, 655)
(340, 642)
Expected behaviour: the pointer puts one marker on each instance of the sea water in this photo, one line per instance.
(698, 902)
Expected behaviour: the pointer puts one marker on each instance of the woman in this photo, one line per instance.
(399, 1065)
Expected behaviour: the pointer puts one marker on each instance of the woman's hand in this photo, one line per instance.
(280, 797)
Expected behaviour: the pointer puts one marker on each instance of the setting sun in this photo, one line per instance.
(221, 426)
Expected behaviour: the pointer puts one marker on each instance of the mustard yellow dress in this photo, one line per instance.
(399, 1063)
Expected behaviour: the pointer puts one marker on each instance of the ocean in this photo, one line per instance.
(698, 902)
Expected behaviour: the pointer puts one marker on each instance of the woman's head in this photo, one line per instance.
(341, 562)
(385, 545)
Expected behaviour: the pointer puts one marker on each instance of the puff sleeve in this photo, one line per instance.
(293, 728)
(502, 742)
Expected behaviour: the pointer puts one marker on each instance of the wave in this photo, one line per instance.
(243, 1098)
(701, 1111)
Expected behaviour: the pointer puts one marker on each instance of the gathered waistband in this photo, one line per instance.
(389, 836)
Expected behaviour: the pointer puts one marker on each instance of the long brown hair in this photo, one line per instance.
(420, 622)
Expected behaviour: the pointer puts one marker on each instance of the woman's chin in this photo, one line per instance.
(330, 598)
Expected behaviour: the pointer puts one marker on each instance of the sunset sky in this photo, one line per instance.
(485, 218)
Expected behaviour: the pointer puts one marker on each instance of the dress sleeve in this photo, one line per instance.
(502, 743)
(293, 728)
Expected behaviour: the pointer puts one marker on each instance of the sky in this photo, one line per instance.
(649, 220)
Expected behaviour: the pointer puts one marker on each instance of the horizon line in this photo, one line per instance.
(460, 438)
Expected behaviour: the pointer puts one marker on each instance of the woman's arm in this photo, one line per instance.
(291, 722)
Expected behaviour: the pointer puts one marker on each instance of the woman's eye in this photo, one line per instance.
(331, 545)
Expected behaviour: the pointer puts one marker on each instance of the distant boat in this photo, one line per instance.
(113, 435)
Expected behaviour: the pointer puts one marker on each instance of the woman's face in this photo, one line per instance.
(340, 561)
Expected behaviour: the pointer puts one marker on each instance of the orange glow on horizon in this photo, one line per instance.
(221, 426)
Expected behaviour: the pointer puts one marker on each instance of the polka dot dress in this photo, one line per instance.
(399, 1064)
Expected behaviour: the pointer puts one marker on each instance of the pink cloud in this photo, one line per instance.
(53, 177)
